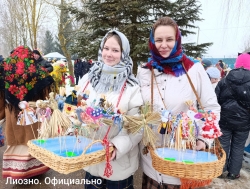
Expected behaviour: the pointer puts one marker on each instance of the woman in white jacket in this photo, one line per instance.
(171, 89)
(108, 76)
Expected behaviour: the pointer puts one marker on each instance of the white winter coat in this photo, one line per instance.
(127, 156)
(175, 91)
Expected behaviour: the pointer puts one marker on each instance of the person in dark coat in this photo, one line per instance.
(1, 58)
(40, 60)
(78, 69)
(86, 66)
(1, 73)
(2, 106)
(233, 94)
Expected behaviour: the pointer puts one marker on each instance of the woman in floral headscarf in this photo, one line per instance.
(24, 81)
(169, 67)
(1, 102)
(111, 76)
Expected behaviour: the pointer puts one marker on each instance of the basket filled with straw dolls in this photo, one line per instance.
(177, 155)
(180, 134)
(66, 143)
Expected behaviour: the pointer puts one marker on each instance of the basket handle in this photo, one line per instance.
(96, 141)
(217, 143)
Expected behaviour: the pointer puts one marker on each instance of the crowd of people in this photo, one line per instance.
(170, 75)
(81, 67)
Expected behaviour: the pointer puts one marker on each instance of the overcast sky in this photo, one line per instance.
(228, 29)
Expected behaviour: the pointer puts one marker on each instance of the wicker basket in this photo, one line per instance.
(67, 165)
(200, 171)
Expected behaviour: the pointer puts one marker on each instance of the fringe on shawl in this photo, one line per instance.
(192, 184)
(108, 82)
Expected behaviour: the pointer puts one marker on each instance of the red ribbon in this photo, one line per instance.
(108, 167)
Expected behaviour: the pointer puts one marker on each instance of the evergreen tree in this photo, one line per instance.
(51, 44)
(48, 43)
(134, 18)
(130, 17)
(57, 46)
(193, 50)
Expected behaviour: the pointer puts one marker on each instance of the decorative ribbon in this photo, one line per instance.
(108, 167)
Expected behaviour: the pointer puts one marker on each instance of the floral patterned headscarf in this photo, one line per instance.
(23, 79)
(1, 76)
(173, 63)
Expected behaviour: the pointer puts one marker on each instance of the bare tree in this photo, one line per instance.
(22, 21)
(68, 27)
(35, 12)
(13, 32)
(241, 14)
(240, 7)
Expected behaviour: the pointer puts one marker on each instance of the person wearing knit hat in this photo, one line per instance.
(233, 94)
(36, 52)
(40, 60)
(214, 75)
(243, 61)
(206, 63)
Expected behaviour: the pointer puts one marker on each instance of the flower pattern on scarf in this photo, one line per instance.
(20, 72)
(172, 64)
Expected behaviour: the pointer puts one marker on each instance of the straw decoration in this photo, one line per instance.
(59, 123)
(135, 124)
(44, 131)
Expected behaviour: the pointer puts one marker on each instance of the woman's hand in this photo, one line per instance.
(79, 98)
(200, 145)
(113, 153)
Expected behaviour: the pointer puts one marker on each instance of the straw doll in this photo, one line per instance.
(111, 82)
(59, 123)
(27, 115)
